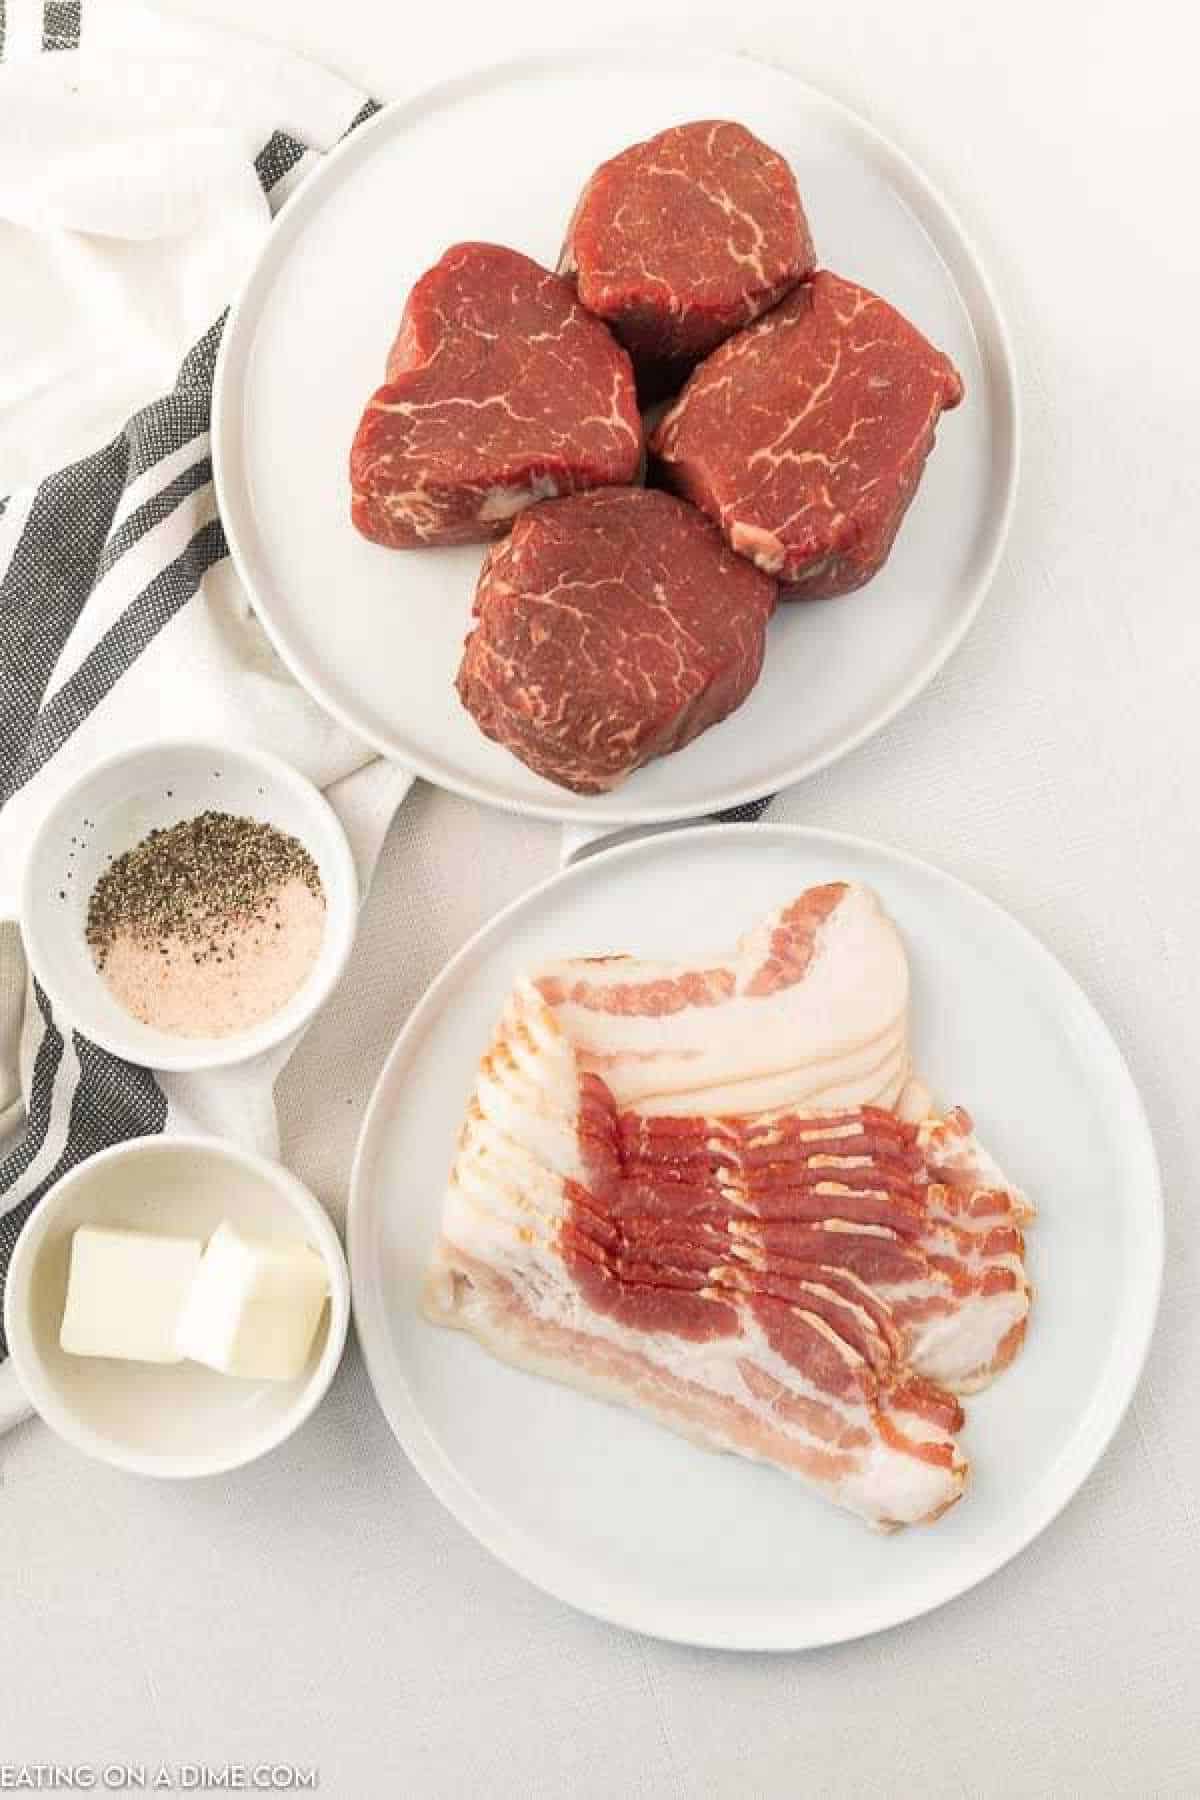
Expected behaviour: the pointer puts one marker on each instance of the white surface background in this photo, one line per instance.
(321, 1608)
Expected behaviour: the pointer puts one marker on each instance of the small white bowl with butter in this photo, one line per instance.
(177, 1306)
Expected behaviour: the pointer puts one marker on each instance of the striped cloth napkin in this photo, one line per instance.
(141, 160)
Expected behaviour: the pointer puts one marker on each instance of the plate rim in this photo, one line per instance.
(509, 1543)
(987, 320)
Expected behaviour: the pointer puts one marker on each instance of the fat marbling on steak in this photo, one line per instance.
(501, 390)
(683, 239)
(805, 435)
(611, 628)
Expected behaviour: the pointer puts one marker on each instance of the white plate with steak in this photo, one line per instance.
(376, 633)
(842, 1347)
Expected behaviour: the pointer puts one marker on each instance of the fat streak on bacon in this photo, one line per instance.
(809, 1010)
(808, 1282)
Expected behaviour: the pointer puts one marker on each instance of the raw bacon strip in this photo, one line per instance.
(975, 1239)
(735, 1404)
(721, 1412)
(939, 1247)
(873, 1253)
(801, 1286)
(808, 1012)
(942, 1238)
(543, 1259)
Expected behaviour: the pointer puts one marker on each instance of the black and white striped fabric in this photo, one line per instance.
(58, 541)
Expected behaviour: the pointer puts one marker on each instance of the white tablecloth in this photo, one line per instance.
(320, 1608)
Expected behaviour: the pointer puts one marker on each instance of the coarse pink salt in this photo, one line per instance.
(240, 972)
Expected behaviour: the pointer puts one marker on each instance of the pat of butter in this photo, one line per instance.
(254, 1307)
(125, 1291)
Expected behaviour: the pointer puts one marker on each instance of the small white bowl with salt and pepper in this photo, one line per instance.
(188, 905)
(181, 1418)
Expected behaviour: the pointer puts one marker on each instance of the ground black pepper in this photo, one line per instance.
(190, 879)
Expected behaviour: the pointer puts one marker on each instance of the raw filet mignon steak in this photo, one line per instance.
(611, 628)
(805, 435)
(500, 390)
(684, 239)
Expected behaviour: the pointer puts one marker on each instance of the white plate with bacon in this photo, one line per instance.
(840, 1173)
